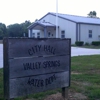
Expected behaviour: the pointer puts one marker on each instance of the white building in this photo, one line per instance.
(77, 28)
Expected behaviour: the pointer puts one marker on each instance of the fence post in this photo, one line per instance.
(65, 93)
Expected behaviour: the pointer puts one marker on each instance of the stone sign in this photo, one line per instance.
(35, 65)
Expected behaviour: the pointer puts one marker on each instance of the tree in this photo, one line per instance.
(92, 14)
(36, 20)
(18, 30)
(3, 30)
(24, 27)
(14, 30)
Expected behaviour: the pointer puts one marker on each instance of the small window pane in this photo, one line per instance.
(63, 34)
(49, 34)
(38, 35)
(90, 31)
(90, 35)
(33, 35)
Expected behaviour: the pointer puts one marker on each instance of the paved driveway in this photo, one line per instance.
(74, 52)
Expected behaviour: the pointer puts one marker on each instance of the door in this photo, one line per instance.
(50, 35)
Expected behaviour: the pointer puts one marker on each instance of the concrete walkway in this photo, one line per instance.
(75, 51)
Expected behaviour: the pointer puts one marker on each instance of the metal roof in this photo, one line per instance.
(73, 18)
(78, 19)
(43, 24)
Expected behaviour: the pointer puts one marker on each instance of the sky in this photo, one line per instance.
(18, 11)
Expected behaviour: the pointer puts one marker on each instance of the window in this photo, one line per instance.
(63, 34)
(38, 35)
(90, 33)
(33, 35)
(49, 34)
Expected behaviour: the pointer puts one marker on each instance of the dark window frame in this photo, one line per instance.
(33, 35)
(49, 33)
(63, 34)
(90, 34)
(90, 31)
(38, 35)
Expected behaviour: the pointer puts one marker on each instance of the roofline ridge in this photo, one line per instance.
(74, 15)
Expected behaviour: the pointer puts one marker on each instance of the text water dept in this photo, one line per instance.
(41, 82)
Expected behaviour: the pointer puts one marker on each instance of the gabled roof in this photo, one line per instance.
(76, 19)
(43, 24)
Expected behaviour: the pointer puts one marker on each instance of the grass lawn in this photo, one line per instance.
(85, 79)
(86, 76)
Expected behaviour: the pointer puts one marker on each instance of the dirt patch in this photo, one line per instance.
(57, 96)
(75, 73)
(79, 96)
(71, 96)
(93, 71)
(82, 83)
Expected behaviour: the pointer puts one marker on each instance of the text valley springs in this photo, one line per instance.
(39, 65)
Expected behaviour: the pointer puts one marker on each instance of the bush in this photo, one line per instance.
(95, 43)
(79, 43)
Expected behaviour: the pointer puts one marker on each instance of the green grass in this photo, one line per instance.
(85, 79)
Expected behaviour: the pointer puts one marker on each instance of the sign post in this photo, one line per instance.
(35, 65)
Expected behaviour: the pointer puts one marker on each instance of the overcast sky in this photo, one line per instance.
(17, 11)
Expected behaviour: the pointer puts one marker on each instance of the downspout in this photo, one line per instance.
(79, 33)
(76, 31)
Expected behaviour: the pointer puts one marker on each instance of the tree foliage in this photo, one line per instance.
(92, 14)
(3, 30)
(18, 30)
(14, 30)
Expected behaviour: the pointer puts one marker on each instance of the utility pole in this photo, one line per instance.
(56, 18)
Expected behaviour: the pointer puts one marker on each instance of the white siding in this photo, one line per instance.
(68, 26)
(46, 18)
(29, 33)
(35, 31)
(84, 32)
(70, 29)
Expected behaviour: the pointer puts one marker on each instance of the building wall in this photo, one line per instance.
(74, 31)
(68, 26)
(84, 32)
(35, 32)
(51, 30)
